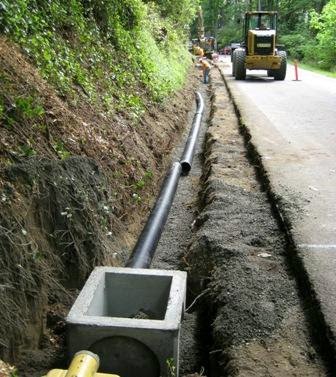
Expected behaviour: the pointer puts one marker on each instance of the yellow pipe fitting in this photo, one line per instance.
(84, 364)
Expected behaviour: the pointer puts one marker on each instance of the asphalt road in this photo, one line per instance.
(293, 127)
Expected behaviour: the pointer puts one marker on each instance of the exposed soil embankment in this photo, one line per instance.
(256, 324)
(75, 185)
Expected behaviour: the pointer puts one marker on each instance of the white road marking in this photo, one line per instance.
(317, 246)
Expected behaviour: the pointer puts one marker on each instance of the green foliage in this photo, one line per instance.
(313, 35)
(23, 110)
(312, 68)
(295, 45)
(101, 49)
(325, 26)
(141, 183)
(230, 34)
(164, 64)
(224, 20)
(60, 149)
(171, 367)
(179, 12)
(2, 110)
(28, 108)
(27, 150)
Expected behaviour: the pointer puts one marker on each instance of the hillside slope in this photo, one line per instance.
(79, 165)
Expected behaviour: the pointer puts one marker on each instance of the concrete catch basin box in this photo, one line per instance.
(131, 319)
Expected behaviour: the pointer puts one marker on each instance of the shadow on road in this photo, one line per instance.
(258, 79)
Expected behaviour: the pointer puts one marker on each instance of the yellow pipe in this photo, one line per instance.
(84, 364)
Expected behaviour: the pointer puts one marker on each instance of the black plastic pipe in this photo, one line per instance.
(144, 249)
(189, 149)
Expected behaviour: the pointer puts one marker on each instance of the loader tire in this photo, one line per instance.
(280, 74)
(234, 63)
(240, 69)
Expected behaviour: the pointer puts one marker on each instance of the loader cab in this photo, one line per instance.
(260, 33)
(260, 21)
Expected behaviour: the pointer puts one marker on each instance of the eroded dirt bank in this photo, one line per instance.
(76, 182)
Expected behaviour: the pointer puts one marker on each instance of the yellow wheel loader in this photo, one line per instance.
(259, 50)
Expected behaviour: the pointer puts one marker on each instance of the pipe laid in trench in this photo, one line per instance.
(189, 149)
(144, 249)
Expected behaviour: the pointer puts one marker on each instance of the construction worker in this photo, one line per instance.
(206, 70)
(198, 51)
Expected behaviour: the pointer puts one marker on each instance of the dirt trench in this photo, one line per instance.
(245, 315)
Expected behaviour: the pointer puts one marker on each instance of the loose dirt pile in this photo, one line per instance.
(256, 320)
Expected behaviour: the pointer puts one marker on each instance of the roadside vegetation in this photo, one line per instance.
(313, 68)
(307, 28)
(103, 45)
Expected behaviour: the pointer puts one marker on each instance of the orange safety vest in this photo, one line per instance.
(205, 64)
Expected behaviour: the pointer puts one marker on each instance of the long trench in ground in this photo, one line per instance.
(245, 316)
(177, 237)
